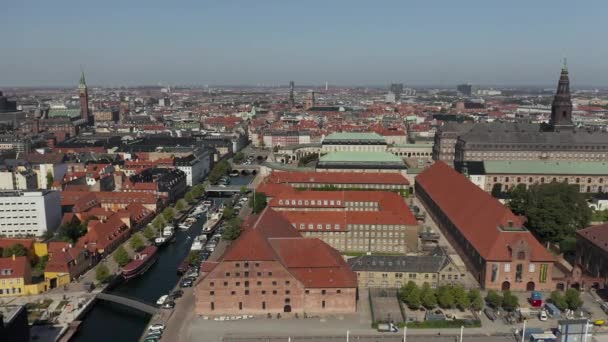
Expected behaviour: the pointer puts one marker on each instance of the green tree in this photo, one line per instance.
(475, 299)
(16, 249)
(461, 299)
(445, 297)
(406, 289)
(71, 232)
(238, 157)
(189, 197)
(181, 204)
(243, 190)
(102, 273)
(193, 257)
(494, 299)
(510, 301)
(198, 190)
(168, 214)
(233, 229)
(516, 199)
(557, 298)
(136, 242)
(554, 210)
(413, 298)
(496, 190)
(573, 299)
(158, 222)
(121, 256)
(149, 233)
(49, 179)
(258, 203)
(41, 264)
(220, 169)
(428, 297)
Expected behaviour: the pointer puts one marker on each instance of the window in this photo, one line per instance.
(323, 304)
(307, 292)
(212, 306)
(263, 292)
(259, 283)
(225, 283)
(237, 265)
(287, 282)
(237, 274)
(531, 268)
(257, 264)
(238, 283)
(227, 274)
(507, 267)
(247, 283)
(521, 255)
(246, 292)
(274, 283)
(274, 292)
(232, 293)
(338, 291)
(322, 292)
(240, 305)
(259, 274)
(211, 293)
(263, 305)
(246, 265)
(270, 274)
(287, 292)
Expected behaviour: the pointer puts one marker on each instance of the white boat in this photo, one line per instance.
(197, 244)
(162, 300)
(212, 222)
(159, 241)
(184, 225)
(168, 232)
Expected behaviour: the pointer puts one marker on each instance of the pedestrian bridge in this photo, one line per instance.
(227, 188)
(130, 302)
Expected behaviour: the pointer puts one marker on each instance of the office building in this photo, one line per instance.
(29, 213)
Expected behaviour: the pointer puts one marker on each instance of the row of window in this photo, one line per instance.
(312, 202)
(542, 179)
(263, 304)
(10, 291)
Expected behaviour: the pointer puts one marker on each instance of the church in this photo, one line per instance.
(558, 140)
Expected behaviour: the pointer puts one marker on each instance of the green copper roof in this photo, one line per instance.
(354, 136)
(414, 145)
(365, 157)
(64, 113)
(546, 167)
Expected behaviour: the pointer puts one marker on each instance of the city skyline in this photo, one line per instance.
(346, 44)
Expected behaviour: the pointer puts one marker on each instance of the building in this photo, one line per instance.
(29, 213)
(310, 100)
(592, 253)
(557, 140)
(352, 221)
(271, 269)
(359, 142)
(491, 240)
(170, 184)
(590, 177)
(341, 180)
(106, 115)
(347, 161)
(465, 89)
(444, 145)
(397, 90)
(292, 100)
(18, 179)
(394, 271)
(83, 95)
(285, 138)
(10, 117)
(15, 275)
(66, 262)
(196, 166)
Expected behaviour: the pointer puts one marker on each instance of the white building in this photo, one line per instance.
(29, 213)
(18, 180)
(196, 166)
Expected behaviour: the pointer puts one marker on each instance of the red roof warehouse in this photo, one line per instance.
(491, 239)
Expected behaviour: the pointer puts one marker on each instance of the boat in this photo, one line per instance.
(141, 263)
(234, 173)
(212, 222)
(208, 203)
(198, 244)
(162, 300)
(185, 225)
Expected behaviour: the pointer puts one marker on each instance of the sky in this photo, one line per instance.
(374, 42)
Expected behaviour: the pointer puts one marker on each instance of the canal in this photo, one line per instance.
(115, 323)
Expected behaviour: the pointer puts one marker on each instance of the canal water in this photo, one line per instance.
(116, 323)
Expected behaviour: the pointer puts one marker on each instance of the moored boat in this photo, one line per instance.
(212, 222)
(142, 261)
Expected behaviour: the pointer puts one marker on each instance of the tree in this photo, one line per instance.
(158, 222)
(428, 297)
(496, 190)
(181, 205)
(494, 299)
(136, 242)
(516, 199)
(49, 179)
(445, 297)
(258, 203)
(16, 249)
(243, 190)
(475, 299)
(149, 233)
(189, 197)
(406, 289)
(193, 257)
(573, 299)
(121, 256)
(461, 299)
(168, 214)
(198, 190)
(72, 231)
(229, 213)
(554, 210)
(557, 298)
(510, 301)
(220, 169)
(238, 157)
(102, 273)
(233, 229)
(413, 299)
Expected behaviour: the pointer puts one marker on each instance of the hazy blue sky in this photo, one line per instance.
(131, 42)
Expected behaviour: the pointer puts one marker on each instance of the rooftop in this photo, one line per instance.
(352, 136)
(597, 235)
(360, 157)
(546, 167)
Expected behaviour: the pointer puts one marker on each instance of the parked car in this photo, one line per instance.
(186, 283)
(177, 293)
(543, 315)
(169, 305)
(490, 314)
(157, 326)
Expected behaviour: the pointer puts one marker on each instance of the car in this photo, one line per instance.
(156, 327)
(156, 333)
(168, 305)
(151, 338)
(543, 315)
(490, 313)
(186, 283)
(177, 293)
(192, 275)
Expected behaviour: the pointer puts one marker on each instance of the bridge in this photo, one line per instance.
(254, 169)
(227, 188)
(132, 303)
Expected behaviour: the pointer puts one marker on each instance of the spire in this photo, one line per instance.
(565, 65)
(82, 82)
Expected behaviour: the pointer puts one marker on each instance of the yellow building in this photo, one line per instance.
(15, 276)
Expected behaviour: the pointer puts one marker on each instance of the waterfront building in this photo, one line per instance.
(196, 166)
(66, 263)
(271, 269)
(589, 177)
(492, 241)
(29, 213)
(394, 271)
(352, 221)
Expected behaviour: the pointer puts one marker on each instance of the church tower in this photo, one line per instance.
(84, 99)
(561, 108)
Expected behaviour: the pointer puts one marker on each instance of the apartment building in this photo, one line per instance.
(29, 213)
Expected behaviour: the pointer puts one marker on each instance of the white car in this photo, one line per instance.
(543, 315)
(156, 327)
(162, 300)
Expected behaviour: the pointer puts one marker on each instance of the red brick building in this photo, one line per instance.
(492, 241)
(270, 268)
(341, 180)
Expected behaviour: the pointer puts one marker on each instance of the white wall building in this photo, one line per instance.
(196, 166)
(29, 213)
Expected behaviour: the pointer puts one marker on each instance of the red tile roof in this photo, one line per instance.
(597, 235)
(27, 243)
(17, 268)
(477, 215)
(338, 178)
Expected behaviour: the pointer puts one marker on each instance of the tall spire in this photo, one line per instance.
(82, 81)
(565, 65)
(561, 108)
